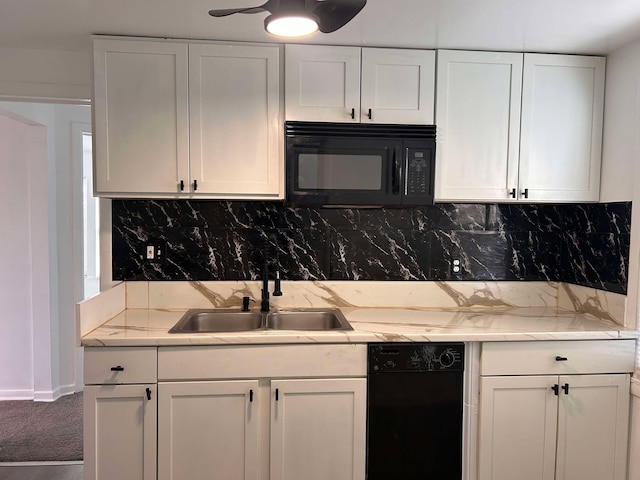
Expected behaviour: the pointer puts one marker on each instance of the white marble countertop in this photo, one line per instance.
(149, 327)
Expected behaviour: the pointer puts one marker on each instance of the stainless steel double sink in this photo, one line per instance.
(219, 320)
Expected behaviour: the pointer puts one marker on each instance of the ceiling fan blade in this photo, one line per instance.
(335, 14)
(223, 12)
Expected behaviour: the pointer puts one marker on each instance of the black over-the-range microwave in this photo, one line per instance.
(360, 164)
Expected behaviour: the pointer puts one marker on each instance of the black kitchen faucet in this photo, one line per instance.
(264, 303)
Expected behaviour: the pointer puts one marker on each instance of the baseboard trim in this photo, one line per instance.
(52, 395)
(16, 394)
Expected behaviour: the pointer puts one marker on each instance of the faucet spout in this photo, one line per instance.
(264, 302)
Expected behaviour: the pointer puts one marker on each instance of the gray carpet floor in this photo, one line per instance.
(41, 431)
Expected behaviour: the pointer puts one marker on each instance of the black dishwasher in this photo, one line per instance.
(414, 411)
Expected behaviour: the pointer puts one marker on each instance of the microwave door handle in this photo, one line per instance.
(395, 175)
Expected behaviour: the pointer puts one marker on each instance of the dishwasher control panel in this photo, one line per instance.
(415, 357)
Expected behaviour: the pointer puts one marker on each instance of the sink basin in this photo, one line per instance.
(202, 321)
(325, 319)
(219, 321)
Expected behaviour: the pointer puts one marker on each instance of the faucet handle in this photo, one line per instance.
(277, 292)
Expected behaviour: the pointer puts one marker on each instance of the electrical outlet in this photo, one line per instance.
(155, 251)
(456, 266)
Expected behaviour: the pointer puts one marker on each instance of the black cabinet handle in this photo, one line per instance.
(512, 193)
(370, 115)
(395, 174)
(555, 389)
(195, 185)
(117, 369)
(148, 393)
(277, 395)
(561, 359)
(565, 387)
(353, 114)
(525, 193)
(182, 185)
(251, 395)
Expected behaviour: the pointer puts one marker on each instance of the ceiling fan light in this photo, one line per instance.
(291, 24)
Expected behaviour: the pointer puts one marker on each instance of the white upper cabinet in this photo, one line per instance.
(562, 114)
(187, 120)
(492, 149)
(397, 86)
(478, 121)
(234, 100)
(352, 84)
(141, 116)
(322, 84)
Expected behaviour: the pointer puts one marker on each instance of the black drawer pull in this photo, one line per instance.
(277, 395)
(555, 389)
(561, 359)
(565, 387)
(119, 368)
(148, 393)
(251, 395)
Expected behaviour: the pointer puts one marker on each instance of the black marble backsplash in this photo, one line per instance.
(584, 244)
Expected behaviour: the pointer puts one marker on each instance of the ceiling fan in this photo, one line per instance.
(293, 18)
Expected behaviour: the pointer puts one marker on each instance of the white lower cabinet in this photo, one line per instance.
(120, 432)
(318, 429)
(556, 426)
(214, 422)
(120, 414)
(208, 430)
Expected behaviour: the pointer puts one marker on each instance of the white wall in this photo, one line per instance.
(47, 193)
(621, 182)
(16, 377)
(621, 124)
(621, 154)
(46, 74)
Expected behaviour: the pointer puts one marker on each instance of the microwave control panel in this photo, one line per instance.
(419, 166)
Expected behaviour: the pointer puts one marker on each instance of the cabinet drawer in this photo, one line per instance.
(117, 365)
(261, 361)
(541, 358)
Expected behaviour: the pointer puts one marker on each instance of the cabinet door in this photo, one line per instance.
(592, 427)
(318, 429)
(322, 83)
(517, 436)
(141, 116)
(478, 119)
(398, 86)
(120, 432)
(234, 99)
(562, 114)
(208, 430)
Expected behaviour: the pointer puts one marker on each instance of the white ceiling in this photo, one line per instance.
(563, 26)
